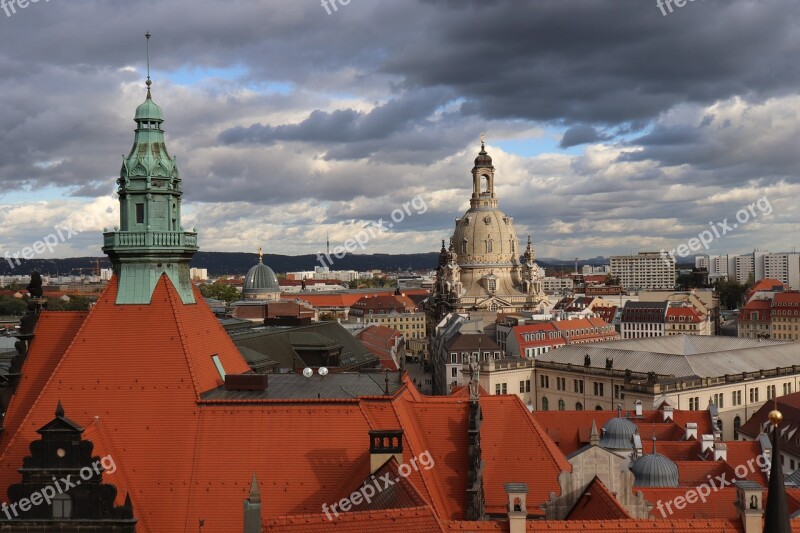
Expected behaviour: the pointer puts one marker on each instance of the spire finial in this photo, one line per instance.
(260, 255)
(148, 82)
(59, 409)
(483, 141)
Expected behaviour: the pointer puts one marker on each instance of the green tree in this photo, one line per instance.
(730, 292)
(220, 291)
(10, 306)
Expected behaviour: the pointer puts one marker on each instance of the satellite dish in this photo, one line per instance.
(307, 372)
(323, 371)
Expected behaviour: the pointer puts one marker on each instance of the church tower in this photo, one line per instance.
(481, 269)
(150, 239)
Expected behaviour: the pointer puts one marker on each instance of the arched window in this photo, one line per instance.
(491, 283)
(719, 425)
(737, 422)
(62, 506)
(562, 406)
(578, 406)
(494, 307)
(484, 184)
(463, 247)
(545, 403)
(598, 408)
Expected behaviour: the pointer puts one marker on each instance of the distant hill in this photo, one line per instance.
(219, 263)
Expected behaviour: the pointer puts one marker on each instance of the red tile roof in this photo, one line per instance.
(597, 503)
(380, 340)
(54, 333)
(689, 314)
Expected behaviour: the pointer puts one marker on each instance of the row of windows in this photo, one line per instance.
(465, 357)
(562, 405)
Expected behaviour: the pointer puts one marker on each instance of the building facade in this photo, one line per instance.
(645, 271)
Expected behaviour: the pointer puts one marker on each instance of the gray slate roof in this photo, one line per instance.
(683, 355)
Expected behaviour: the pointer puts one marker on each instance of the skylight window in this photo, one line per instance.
(218, 364)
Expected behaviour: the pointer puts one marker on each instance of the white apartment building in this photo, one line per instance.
(552, 285)
(784, 267)
(781, 266)
(701, 262)
(645, 271)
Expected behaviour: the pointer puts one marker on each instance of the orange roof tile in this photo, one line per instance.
(597, 503)
(54, 333)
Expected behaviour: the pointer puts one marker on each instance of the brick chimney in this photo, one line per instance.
(383, 445)
(517, 508)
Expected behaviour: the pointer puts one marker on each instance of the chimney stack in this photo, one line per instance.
(383, 445)
(517, 508)
(691, 430)
(707, 443)
(749, 505)
(721, 452)
(667, 410)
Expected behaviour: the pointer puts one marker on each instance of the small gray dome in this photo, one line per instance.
(618, 434)
(655, 470)
(260, 280)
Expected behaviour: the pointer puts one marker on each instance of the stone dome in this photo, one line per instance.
(260, 281)
(655, 470)
(485, 235)
(618, 434)
(483, 159)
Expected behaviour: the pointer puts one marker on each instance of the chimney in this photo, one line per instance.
(721, 452)
(691, 430)
(638, 405)
(517, 509)
(667, 410)
(252, 508)
(748, 503)
(707, 443)
(383, 445)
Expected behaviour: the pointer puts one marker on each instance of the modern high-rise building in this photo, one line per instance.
(784, 267)
(645, 271)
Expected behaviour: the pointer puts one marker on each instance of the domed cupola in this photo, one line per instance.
(484, 160)
(654, 470)
(261, 283)
(618, 434)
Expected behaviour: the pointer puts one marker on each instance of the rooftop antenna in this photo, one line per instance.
(148, 82)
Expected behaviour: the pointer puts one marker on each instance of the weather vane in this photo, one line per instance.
(148, 83)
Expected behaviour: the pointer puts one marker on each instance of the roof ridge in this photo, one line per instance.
(181, 331)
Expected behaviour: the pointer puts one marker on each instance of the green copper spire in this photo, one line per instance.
(150, 240)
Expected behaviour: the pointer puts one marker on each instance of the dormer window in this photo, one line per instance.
(491, 284)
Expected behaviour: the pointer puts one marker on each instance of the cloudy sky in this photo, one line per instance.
(613, 127)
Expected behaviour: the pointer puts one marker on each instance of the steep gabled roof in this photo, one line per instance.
(597, 503)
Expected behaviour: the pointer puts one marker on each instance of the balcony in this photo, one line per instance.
(139, 239)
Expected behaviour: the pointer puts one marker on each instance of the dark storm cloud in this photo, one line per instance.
(349, 115)
(580, 134)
